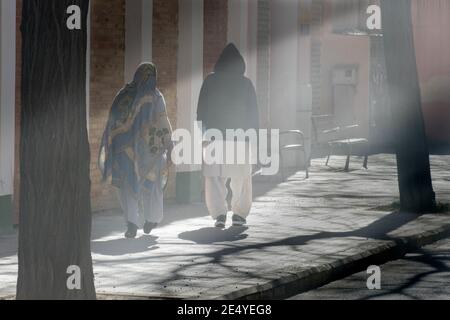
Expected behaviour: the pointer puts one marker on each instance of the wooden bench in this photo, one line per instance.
(339, 138)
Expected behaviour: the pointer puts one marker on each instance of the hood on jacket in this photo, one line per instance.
(230, 61)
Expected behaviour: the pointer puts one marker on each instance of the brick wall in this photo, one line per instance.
(215, 32)
(107, 70)
(106, 79)
(165, 55)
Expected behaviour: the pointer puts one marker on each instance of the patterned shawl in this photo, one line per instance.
(137, 135)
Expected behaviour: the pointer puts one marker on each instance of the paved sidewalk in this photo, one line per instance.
(302, 234)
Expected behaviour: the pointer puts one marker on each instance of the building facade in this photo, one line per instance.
(291, 48)
(184, 38)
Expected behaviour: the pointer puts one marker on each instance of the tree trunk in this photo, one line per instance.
(55, 209)
(413, 159)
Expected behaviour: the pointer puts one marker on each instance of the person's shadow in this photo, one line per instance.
(118, 247)
(214, 235)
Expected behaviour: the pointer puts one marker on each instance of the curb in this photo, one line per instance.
(290, 283)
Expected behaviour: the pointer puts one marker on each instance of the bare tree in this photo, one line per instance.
(413, 159)
(55, 210)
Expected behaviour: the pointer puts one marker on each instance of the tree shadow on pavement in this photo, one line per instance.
(377, 230)
(118, 247)
(214, 235)
(435, 263)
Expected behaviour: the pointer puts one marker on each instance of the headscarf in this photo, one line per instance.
(145, 78)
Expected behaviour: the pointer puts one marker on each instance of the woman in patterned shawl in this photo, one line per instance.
(135, 149)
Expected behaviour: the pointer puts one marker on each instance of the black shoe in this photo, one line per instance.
(238, 221)
(132, 231)
(149, 226)
(220, 221)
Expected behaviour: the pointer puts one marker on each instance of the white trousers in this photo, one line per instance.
(216, 195)
(149, 204)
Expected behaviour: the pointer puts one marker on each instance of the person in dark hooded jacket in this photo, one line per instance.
(228, 101)
(228, 98)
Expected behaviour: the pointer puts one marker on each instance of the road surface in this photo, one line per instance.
(423, 275)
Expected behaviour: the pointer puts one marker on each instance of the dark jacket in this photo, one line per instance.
(228, 98)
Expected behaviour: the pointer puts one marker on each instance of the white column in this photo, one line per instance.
(7, 94)
(88, 70)
(284, 77)
(189, 82)
(252, 41)
(190, 67)
(147, 30)
(304, 111)
(138, 34)
(237, 26)
(242, 31)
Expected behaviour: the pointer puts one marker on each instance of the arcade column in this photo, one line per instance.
(138, 36)
(290, 92)
(189, 83)
(7, 110)
(242, 31)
